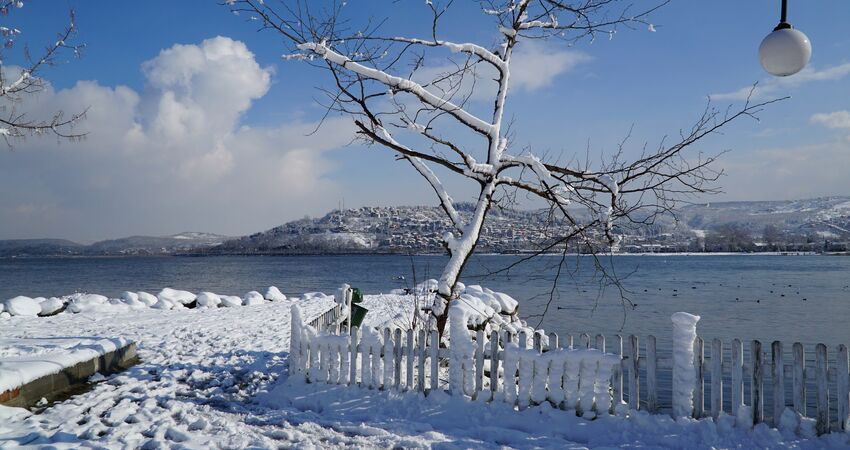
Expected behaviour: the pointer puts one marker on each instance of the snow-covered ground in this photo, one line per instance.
(217, 378)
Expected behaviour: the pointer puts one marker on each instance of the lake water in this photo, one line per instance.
(789, 298)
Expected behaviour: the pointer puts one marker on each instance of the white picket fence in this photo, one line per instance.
(505, 367)
(572, 375)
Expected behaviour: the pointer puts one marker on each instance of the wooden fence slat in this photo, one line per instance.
(494, 362)
(398, 354)
(421, 345)
(411, 334)
(584, 338)
(699, 389)
(617, 378)
(600, 343)
(387, 375)
(778, 377)
(538, 342)
(737, 375)
(842, 385)
(553, 341)
(798, 375)
(523, 338)
(479, 363)
(651, 375)
(757, 388)
(716, 378)
(821, 371)
(353, 354)
(634, 373)
(435, 360)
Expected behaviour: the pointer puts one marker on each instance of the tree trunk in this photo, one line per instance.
(461, 249)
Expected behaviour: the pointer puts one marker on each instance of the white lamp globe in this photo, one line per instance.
(785, 51)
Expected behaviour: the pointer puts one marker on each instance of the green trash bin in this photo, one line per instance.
(356, 295)
(358, 313)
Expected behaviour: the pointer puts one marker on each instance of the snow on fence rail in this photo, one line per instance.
(581, 375)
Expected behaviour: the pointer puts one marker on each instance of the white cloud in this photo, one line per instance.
(170, 157)
(779, 86)
(534, 66)
(788, 172)
(837, 119)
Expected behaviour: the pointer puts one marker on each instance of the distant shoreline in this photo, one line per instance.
(193, 255)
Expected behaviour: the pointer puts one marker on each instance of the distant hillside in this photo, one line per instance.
(821, 224)
(134, 245)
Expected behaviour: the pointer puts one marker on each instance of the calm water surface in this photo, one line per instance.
(791, 298)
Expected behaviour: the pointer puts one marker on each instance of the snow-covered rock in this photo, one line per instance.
(208, 300)
(253, 298)
(146, 298)
(163, 303)
(51, 306)
(177, 296)
(129, 297)
(230, 301)
(22, 306)
(274, 294)
(86, 302)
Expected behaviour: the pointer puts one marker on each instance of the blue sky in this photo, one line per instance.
(105, 187)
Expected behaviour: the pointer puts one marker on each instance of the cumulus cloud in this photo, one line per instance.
(171, 156)
(778, 86)
(837, 119)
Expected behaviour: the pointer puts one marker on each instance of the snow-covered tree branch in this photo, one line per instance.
(21, 80)
(420, 97)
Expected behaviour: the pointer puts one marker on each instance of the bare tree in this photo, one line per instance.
(22, 81)
(429, 118)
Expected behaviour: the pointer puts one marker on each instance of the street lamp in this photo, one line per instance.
(785, 51)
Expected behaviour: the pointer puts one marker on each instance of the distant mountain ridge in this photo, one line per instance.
(419, 229)
(133, 245)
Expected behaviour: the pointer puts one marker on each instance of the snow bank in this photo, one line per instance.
(24, 359)
(684, 374)
(274, 294)
(146, 298)
(22, 306)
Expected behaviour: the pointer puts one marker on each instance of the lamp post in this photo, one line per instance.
(785, 51)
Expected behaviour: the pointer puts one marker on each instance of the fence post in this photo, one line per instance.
(699, 389)
(617, 378)
(634, 373)
(821, 371)
(651, 375)
(435, 360)
(842, 384)
(494, 362)
(479, 363)
(778, 382)
(388, 350)
(737, 376)
(757, 388)
(410, 353)
(799, 380)
(600, 343)
(355, 339)
(553, 341)
(538, 342)
(584, 339)
(421, 345)
(398, 353)
(684, 374)
(716, 378)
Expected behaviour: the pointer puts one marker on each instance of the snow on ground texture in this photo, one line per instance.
(209, 379)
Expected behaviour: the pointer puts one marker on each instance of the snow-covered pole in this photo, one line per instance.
(295, 365)
(684, 372)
